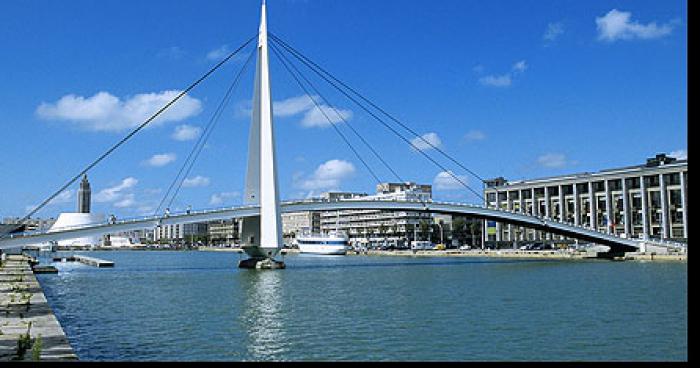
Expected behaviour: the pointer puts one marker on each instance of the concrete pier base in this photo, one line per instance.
(261, 264)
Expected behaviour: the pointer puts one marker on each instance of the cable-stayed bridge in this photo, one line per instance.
(516, 218)
(261, 230)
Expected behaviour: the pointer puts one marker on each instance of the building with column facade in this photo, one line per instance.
(647, 201)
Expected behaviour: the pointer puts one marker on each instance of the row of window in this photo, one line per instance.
(598, 186)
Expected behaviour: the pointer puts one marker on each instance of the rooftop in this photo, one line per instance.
(660, 160)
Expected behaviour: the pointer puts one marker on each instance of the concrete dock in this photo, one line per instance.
(93, 261)
(25, 310)
(90, 261)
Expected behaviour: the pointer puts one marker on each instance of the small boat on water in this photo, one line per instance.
(333, 243)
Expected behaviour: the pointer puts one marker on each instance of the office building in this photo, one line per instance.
(180, 233)
(375, 226)
(642, 201)
(295, 223)
(223, 232)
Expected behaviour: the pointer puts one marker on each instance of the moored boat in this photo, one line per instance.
(329, 244)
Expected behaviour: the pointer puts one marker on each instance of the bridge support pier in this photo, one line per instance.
(261, 264)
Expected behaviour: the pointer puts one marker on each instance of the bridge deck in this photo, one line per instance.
(534, 222)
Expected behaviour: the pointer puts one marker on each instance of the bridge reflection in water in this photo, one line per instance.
(263, 306)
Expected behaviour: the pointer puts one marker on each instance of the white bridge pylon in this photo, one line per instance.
(262, 235)
(253, 211)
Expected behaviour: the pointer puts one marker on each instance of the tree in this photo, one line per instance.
(382, 229)
(475, 227)
(424, 228)
(459, 227)
(435, 233)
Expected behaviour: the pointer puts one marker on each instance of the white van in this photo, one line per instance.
(422, 245)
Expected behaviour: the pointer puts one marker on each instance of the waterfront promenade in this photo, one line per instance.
(502, 253)
(28, 328)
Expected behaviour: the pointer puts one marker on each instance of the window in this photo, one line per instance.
(673, 178)
(615, 184)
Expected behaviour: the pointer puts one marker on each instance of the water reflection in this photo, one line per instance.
(196, 306)
(262, 316)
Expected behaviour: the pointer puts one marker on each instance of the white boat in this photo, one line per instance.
(331, 244)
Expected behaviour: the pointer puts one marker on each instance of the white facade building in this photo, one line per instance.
(374, 226)
(296, 223)
(180, 232)
(643, 201)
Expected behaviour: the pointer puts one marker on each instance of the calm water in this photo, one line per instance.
(199, 306)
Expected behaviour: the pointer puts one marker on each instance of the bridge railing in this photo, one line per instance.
(582, 228)
(544, 220)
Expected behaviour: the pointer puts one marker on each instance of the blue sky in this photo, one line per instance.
(514, 89)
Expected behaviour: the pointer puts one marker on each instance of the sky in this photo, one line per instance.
(519, 89)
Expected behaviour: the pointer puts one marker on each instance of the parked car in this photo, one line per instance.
(465, 247)
(540, 246)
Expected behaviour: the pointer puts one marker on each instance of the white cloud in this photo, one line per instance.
(219, 53)
(445, 181)
(475, 135)
(145, 210)
(323, 116)
(504, 80)
(554, 30)
(127, 201)
(116, 193)
(520, 66)
(186, 132)
(160, 160)
(320, 116)
(219, 198)
(431, 138)
(152, 191)
(617, 25)
(553, 160)
(328, 176)
(496, 80)
(197, 181)
(293, 105)
(65, 196)
(104, 112)
(680, 154)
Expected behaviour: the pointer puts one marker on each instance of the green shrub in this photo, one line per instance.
(36, 348)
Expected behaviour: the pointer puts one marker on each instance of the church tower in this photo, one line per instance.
(84, 196)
